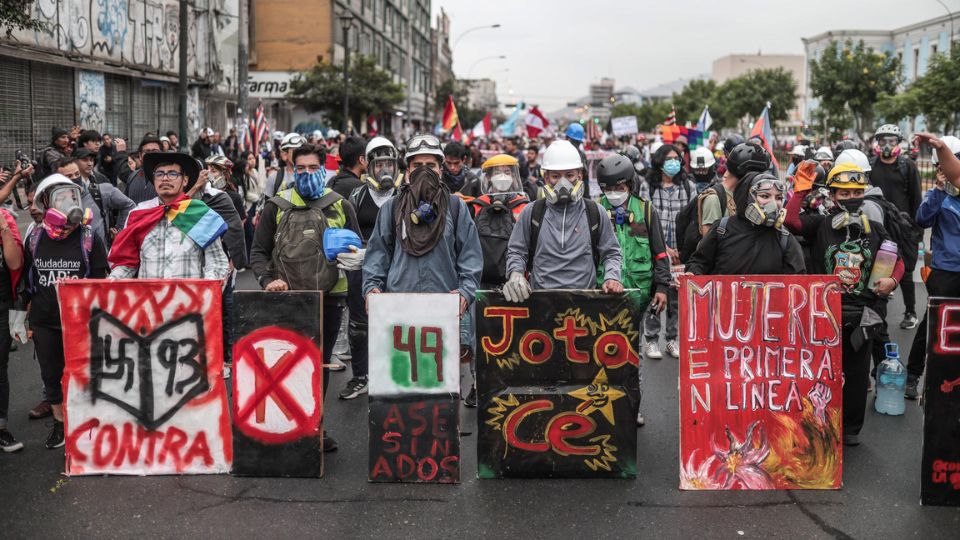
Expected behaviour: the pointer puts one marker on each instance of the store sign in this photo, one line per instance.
(269, 84)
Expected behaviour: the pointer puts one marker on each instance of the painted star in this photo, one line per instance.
(599, 396)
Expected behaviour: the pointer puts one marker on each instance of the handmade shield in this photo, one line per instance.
(414, 387)
(277, 383)
(557, 378)
(940, 469)
(760, 382)
(143, 382)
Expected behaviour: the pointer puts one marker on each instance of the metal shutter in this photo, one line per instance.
(53, 102)
(15, 131)
(117, 89)
(144, 107)
(169, 110)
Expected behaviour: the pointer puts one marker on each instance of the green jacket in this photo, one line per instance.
(646, 265)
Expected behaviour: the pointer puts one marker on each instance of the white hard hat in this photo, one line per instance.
(799, 150)
(561, 156)
(291, 140)
(317, 134)
(423, 144)
(952, 143)
(852, 155)
(333, 134)
(702, 158)
(888, 129)
(377, 143)
(823, 154)
(278, 134)
(50, 182)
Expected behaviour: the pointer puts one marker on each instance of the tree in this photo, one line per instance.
(372, 91)
(15, 15)
(460, 90)
(849, 80)
(691, 100)
(936, 94)
(741, 100)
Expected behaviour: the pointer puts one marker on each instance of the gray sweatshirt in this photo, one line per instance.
(564, 259)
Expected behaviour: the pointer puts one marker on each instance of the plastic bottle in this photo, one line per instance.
(883, 263)
(891, 382)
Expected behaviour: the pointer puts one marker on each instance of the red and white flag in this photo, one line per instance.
(536, 122)
(482, 129)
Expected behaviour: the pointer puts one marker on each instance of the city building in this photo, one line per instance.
(732, 66)
(289, 37)
(441, 57)
(601, 94)
(481, 93)
(913, 45)
(113, 66)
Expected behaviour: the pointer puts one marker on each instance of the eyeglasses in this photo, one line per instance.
(307, 168)
(172, 175)
(423, 141)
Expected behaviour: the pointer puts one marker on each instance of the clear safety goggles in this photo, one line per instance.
(848, 177)
(418, 142)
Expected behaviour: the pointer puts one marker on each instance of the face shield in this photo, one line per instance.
(501, 179)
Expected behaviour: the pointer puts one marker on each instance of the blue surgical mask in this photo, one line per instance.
(671, 167)
(310, 185)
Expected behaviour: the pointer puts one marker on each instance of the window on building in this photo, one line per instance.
(144, 107)
(933, 49)
(117, 93)
(15, 126)
(916, 63)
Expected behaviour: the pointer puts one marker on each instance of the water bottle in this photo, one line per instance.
(883, 263)
(891, 382)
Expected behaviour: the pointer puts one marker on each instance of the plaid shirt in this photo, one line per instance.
(167, 253)
(668, 202)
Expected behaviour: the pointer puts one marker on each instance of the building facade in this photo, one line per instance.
(735, 65)
(290, 36)
(113, 66)
(481, 93)
(913, 45)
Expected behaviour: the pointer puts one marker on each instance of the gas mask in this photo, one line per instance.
(65, 212)
(384, 174)
(310, 184)
(564, 192)
(616, 198)
(767, 215)
(423, 214)
(888, 149)
(620, 216)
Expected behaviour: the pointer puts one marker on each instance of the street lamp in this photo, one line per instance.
(467, 31)
(950, 13)
(494, 57)
(346, 21)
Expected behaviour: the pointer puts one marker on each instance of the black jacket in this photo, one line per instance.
(344, 182)
(234, 240)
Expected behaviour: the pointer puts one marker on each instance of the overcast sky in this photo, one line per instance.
(556, 48)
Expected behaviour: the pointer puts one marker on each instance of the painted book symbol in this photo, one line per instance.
(150, 376)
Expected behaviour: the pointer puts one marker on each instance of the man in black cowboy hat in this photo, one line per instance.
(155, 242)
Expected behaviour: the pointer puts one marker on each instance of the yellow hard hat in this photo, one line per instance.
(500, 159)
(847, 176)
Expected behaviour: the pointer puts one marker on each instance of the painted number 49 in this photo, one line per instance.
(405, 341)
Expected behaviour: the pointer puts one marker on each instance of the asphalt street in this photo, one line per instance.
(880, 497)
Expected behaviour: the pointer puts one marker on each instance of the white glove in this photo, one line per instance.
(18, 325)
(517, 288)
(353, 260)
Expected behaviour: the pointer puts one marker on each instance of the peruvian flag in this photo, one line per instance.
(536, 122)
(372, 125)
(482, 129)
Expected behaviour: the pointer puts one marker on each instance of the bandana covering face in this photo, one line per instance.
(419, 238)
(310, 185)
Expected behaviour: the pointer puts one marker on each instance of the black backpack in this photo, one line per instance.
(688, 221)
(536, 221)
(495, 221)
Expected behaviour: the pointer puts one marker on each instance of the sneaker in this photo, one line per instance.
(329, 443)
(42, 410)
(471, 400)
(55, 439)
(640, 420)
(911, 391)
(849, 439)
(673, 349)
(8, 443)
(356, 386)
(653, 350)
(909, 320)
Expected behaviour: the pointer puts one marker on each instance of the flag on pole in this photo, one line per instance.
(672, 117)
(536, 122)
(703, 124)
(763, 130)
(259, 128)
(482, 129)
(372, 125)
(509, 128)
(450, 118)
(592, 131)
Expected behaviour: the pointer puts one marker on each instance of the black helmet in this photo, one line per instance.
(821, 179)
(614, 170)
(846, 144)
(731, 143)
(747, 157)
(631, 152)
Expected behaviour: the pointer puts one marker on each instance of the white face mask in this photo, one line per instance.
(617, 198)
(501, 182)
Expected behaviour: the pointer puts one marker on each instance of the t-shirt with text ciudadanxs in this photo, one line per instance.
(56, 260)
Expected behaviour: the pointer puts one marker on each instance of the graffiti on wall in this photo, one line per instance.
(90, 99)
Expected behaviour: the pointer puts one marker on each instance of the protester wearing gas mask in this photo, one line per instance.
(379, 184)
(846, 243)
(424, 239)
(560, 240)
(64, 247)
(754, 241)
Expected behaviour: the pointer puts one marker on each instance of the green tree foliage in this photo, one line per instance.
(15, 15)
(739, 101)
(691, 100)
(372, 91)
(849, 80)
(937, 94)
